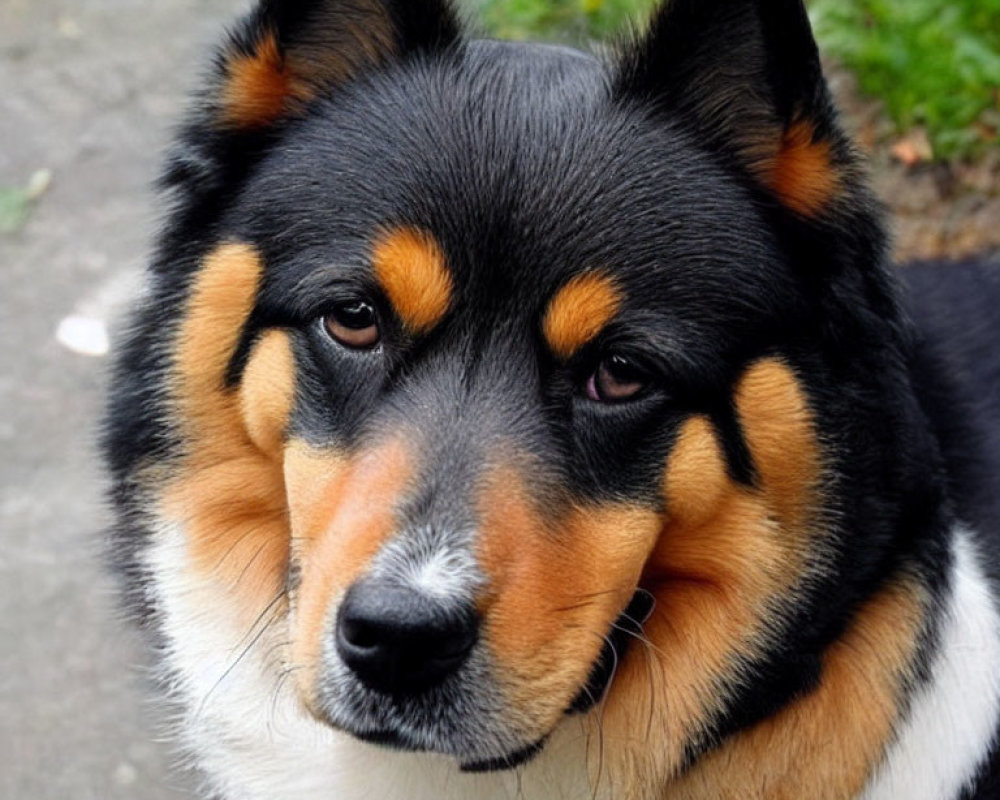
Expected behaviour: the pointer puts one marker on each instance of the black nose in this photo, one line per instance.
(400, 642)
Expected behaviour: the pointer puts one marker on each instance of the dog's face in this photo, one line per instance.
(503, 372)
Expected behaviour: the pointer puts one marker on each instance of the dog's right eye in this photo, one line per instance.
(617, 379)
(353, 324)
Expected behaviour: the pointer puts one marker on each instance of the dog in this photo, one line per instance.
(503, 421)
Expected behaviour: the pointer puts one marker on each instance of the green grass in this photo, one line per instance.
(14, 205)
(561, 20)
(16, 201)
(934, 63)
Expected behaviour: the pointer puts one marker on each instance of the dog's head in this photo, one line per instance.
(525, 382)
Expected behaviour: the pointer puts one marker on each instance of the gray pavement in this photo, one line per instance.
(88, 91)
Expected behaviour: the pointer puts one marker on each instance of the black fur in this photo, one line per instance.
(529, 163)
(957, 369)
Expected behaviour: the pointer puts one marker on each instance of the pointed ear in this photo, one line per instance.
(274, 64)
(288, 52)
(746, 76)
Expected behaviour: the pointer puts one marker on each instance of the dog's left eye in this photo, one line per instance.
(354, 324)
(616, 379)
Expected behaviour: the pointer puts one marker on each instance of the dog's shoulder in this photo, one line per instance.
(954, 307)
(956, 369)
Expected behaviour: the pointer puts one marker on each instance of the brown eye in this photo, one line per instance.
(354, 324)
(616, 379)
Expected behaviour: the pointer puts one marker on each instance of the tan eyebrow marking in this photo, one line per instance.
(579, 311)
(411, 268)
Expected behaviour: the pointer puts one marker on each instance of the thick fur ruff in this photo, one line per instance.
(502, 421)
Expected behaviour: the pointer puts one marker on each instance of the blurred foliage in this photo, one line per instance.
(14, 204)
(16, 201)
(562, 20)
(934, 63)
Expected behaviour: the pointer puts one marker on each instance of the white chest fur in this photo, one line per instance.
(953, 718)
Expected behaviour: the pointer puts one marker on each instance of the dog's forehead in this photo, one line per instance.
(525, 171)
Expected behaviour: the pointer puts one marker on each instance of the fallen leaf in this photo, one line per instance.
(914, 148)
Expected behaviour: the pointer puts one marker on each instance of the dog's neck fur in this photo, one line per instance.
(248, 731)
(951, 725)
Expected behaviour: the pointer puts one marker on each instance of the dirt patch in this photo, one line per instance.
(938, 210)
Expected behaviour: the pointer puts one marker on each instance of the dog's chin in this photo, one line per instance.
(509, 761)
(409, 730)
(512, 760)
(398, 740)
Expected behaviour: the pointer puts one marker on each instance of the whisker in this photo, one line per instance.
(250, 563)
(651, 651)
(283, 676)
(242, 655)
(601, 703)
(581, 601)
(639, 635)
(250, 531)
(600, 714)
(276, 599)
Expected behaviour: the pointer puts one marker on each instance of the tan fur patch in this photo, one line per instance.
(261, 87)
(579, 311)
(778, 426)
(220, 302)
(267, 390)
(410, 266)
(553, 587)
(825, 745)
(802, 174)
(230, 496)
(343, 509)
(726, 559)
(696, 479)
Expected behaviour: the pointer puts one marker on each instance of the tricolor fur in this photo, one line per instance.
(503, 421)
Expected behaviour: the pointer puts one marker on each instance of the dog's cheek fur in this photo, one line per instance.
(726, 572)
(840, 729)
(251, 504)
(554, 587)
(229, 495)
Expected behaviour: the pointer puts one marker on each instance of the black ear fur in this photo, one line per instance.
(746, 76)
(279, 59)
(289, 51)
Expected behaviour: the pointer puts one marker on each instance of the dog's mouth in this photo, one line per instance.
(627, 627)
(509, 761)
(399, 741)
